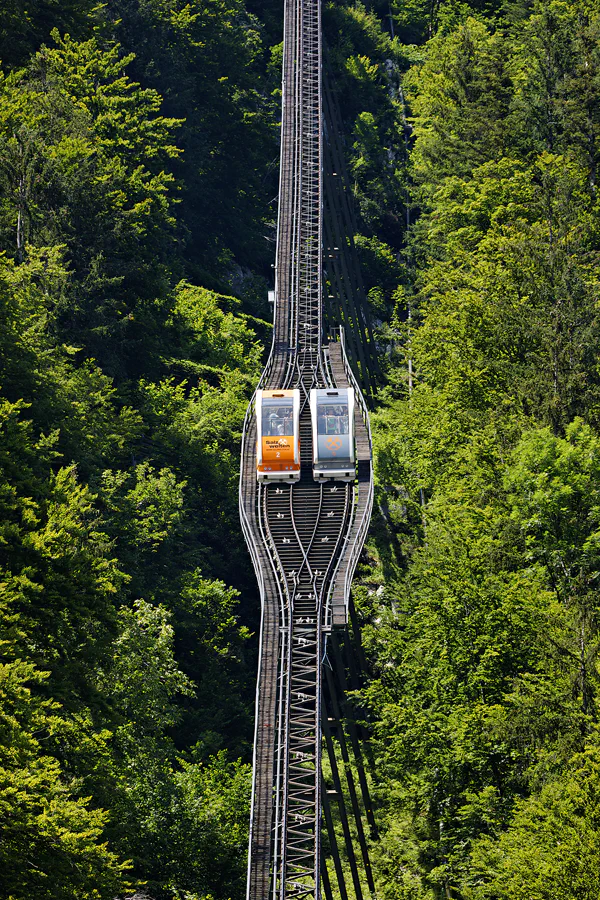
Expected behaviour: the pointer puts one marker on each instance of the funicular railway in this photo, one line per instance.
(304, 535)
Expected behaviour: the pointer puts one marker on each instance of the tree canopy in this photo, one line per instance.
(138, 182)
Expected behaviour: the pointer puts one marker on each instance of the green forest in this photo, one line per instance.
(139, 151)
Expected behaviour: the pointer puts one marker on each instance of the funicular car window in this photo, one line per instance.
(332, 418)
(277, 420)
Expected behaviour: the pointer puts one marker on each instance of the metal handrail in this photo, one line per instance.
(363, 528)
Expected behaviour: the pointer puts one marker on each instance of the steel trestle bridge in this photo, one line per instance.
(304, 538)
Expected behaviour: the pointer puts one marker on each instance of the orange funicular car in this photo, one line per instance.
(278, 435)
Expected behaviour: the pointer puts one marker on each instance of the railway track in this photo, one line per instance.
(305, 537)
